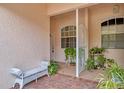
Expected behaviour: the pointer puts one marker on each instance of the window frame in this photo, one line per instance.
(116, 32)
(68, 32)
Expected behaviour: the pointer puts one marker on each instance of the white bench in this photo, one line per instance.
(24, 77)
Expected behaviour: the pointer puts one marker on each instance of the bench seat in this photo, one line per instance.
(33, 71)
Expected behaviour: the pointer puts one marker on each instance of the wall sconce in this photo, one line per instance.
(116, 9)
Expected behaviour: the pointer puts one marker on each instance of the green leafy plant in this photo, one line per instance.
(101, 50)
(112, 78)
(92, 51)
(106, 83)
(70, 54)
(109, 62)
(96, 50)
(100, 59)
(90, 64)
(53, 68)
(96, 56)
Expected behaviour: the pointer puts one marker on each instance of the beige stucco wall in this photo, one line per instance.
(24, 38)
(96, 15)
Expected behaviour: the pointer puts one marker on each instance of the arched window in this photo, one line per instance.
(68, 37)
(113, 33)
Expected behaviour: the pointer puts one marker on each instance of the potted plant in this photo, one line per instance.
(72, 63)
(96, 54)
(53, 67)
(70, 54)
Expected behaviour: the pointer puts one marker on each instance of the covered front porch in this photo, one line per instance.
(70, 70)
(90, 28)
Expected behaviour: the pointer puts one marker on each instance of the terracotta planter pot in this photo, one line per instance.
(73, 64)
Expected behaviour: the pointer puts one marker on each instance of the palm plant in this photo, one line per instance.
(106, 83)
(112, 78)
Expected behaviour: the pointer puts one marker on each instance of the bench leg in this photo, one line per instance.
(13, 85)
(36, 80)
(48, 75)
(21, 86)
(21, 83)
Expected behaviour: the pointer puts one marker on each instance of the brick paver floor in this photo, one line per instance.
(60, 81)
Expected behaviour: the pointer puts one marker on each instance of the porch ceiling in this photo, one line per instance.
(58, 8)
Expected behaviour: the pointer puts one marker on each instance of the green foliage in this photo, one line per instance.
(109, 62)
(116, 72)
(96, 56)
(112, 78)
(106, 83)
(90, 64)
(100, 61)
(53, 68)
(70, 54)
(96, 50)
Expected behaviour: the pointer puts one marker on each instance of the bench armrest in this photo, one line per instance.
(16, 72)
(45, 63)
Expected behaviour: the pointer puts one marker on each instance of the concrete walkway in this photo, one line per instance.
(60, 81)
